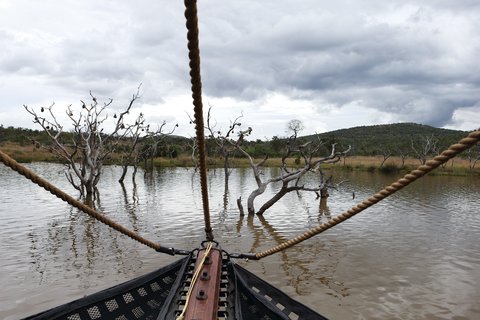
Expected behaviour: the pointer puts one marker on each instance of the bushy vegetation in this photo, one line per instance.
(365, 141)
(22, 136)
(372, 140)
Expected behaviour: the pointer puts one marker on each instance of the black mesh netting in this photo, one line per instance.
(158, 295)
(140, 298)
(256, 299)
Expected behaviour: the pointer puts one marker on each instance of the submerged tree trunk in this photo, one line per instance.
(251, 199)
(124, 173)
(323, 208)
(225, 197)
(324, 193)
(90, 190)
(90, 200)
(279, 195)
(226, 167)
(134, 173)
(240, 206)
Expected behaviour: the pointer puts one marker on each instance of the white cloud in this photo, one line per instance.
(467, 118)
(332, 65)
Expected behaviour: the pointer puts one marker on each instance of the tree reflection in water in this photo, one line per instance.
(301, 265)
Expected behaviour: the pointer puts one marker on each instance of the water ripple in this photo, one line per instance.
(418, 245)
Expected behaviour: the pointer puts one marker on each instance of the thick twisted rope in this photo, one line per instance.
(29, 174)
(446, 155)
(195, 79)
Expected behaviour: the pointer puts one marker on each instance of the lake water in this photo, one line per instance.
(415, 255)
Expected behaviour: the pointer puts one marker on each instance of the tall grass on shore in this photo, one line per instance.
(459, 166)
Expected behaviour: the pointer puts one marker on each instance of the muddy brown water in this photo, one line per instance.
(415, 255)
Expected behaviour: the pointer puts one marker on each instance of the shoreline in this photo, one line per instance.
(457, 167)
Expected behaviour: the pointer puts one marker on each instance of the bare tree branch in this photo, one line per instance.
(223, 140)
(89, 146)
(286, 176)
(424, 147)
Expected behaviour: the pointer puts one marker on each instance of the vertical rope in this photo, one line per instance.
(196, 81)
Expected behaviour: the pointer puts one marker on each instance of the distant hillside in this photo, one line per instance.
(365, 140)
(24, 136)
(372, 140)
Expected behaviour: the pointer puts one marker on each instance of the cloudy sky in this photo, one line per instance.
(331, 65)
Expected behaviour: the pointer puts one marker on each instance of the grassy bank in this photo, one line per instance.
(457, 166)
(27, 153)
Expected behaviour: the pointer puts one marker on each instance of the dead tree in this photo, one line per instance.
(152, 140)
(132, 153)
(289, 179)
(223, 140)
(89, 147)
(473, 156)
(192, 145)
(403, 153)
(294, 127)
(424, 147)
(386, 153)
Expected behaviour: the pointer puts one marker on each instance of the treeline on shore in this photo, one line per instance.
(381, 147)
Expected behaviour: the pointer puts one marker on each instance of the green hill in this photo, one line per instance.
(373, 140)
(365, 140)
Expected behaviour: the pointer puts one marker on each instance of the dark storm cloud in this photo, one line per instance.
(413, 67)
